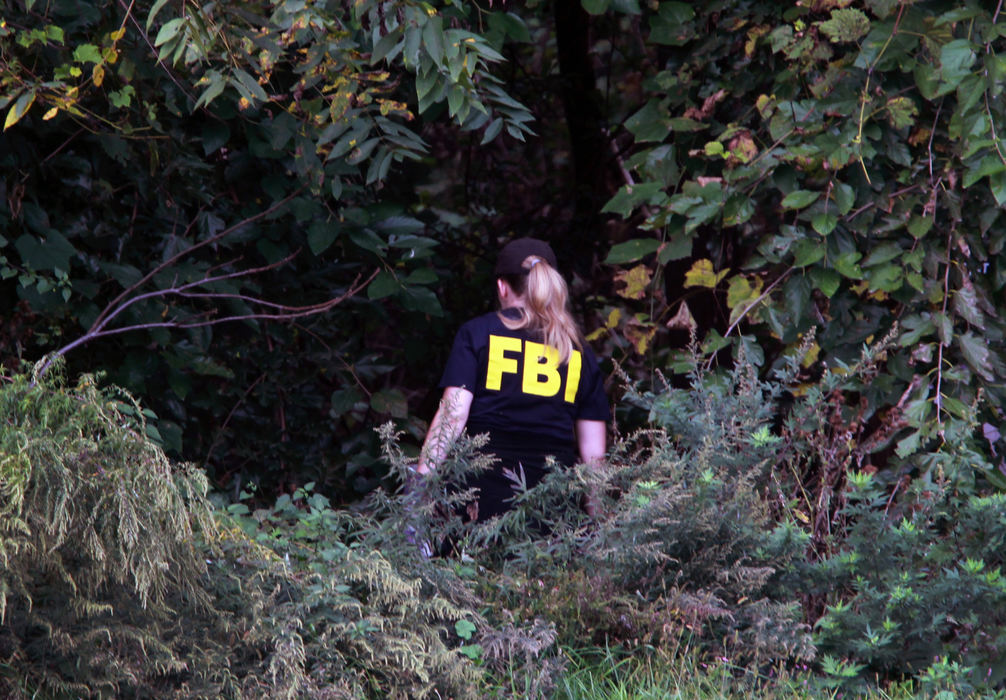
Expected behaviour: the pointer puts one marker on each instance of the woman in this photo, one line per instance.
(524, 376)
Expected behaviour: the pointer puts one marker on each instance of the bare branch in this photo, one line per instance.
(279, 312)
(112, 305)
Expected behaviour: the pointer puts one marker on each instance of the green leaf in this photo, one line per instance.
(976, 353)
(883, 253)
(630, 196)
(677, 248)
(595, 7)
(167, 32)
(808, 251)
(991, 164)
(157, 6)
(384, 285)
(368, 240)
(630, 251)
(433, 39)
(826, 280)
(901, 111)
(686, 124)
(944, 327)
(49, 253)
(956, 58)
(343, 401)
(885, 278)
(997, 184)
(423, 275)
(909, 445)
(390, 401)
(799, 199)
(669, 26)
(919, 226)
(321, 235)
(215, 84)
(966, 306)
(847, 265)
(422, 300)
(845, 197)
(824, 223)
(54, 33)
(955, 407)
(455, 100)
(927, 79)
(464, 629)
(845, 25)
(87, 53)
(472, 651)
(383, 48)
(122, 98)
(492, 131)
(651, 123)
(248, 86)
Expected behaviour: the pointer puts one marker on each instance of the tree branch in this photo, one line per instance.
(181, 254)
(279, 312)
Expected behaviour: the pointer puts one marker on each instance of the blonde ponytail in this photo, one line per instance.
(545, 306)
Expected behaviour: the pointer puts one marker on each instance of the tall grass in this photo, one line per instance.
(604, 673)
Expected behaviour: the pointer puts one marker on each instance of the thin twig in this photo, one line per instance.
(146, 38)
(223, 426)
(943, 314)
(282, 313)
(178, 256)
(748, 308)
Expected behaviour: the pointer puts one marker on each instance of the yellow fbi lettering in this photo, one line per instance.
(537, 365)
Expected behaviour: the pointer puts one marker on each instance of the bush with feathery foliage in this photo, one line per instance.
(120, 578)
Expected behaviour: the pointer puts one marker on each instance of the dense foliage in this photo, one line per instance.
(168, 167)
(832, 167)
(266, 219)
(120, 578)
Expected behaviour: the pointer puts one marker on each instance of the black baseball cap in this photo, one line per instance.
(516, 251)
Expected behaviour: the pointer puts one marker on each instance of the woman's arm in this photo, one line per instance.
(447, 424)
(591, 440)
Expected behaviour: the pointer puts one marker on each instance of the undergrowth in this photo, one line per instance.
(731, 550)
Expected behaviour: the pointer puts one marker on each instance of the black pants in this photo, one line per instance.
(517, 453)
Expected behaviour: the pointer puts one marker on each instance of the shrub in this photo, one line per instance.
(97, 541)
(682, 548)
(120, 579)
(917, 581)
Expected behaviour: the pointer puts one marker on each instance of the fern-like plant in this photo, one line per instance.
(98, 541)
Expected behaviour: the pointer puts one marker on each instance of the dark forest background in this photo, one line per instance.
(338, 177)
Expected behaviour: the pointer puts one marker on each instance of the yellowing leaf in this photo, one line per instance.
(613, 318)
(19, 109)
(50, 114)
(741, 291)
(636, 281)
(702, 275)
(118, 34)
(741, 294)
(640, 335)
(901, 112)
(812, 354)
(98, 75)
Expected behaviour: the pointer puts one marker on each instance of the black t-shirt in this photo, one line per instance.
(520, 388)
